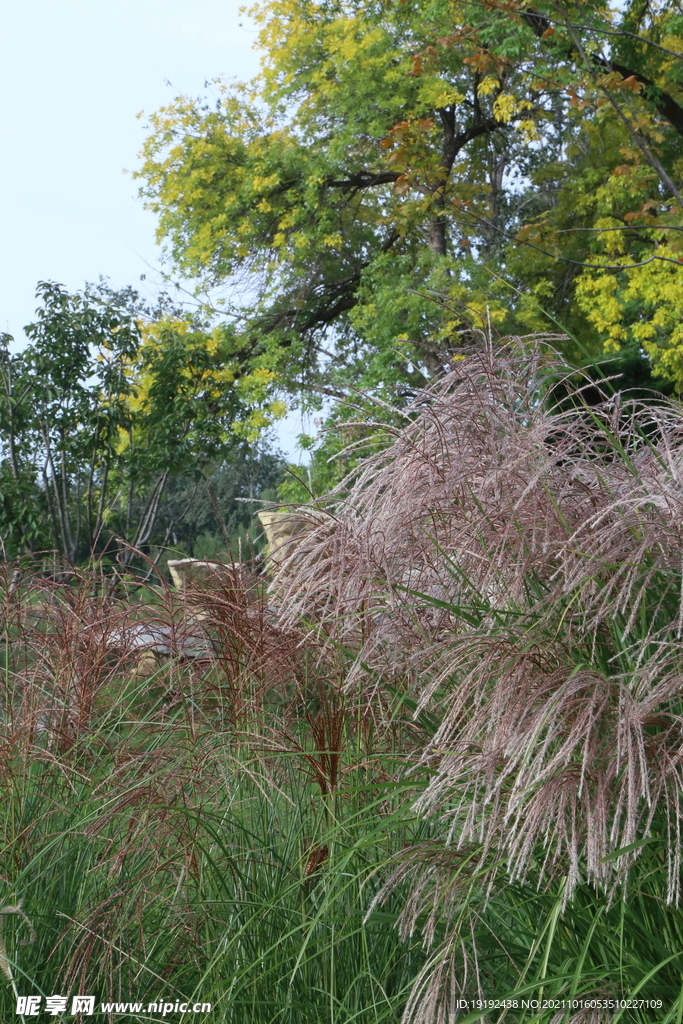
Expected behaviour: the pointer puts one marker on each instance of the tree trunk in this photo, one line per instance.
(437, 236)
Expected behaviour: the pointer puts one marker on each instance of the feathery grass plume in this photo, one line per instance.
(520, 559)
(5, 965)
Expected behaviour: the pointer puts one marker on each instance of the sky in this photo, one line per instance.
(74, 76)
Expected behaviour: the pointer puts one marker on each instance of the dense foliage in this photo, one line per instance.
(399, 172)
(111, 406)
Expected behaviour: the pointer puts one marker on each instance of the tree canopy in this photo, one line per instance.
(401, 172)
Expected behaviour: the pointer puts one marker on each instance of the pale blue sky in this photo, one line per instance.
(73, 76)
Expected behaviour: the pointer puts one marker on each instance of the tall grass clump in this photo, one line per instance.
(208, 828)
(512, 556)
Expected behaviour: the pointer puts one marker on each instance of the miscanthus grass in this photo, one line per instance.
(437, 765)
(210, 831)
(513, 552)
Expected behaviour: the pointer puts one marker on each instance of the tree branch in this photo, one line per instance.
(336, 298)
(665, 104)
(363, 179)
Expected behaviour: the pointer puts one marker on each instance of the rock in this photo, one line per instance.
(162, 641)
(285, 529)
(185, 571)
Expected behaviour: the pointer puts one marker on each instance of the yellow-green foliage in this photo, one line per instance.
(194, 373)
(643, 303)
(398, 172)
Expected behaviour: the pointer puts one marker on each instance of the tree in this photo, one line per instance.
(218, 512)
(23, 511)
(109, 402)
(73, 374)
(399, 172)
